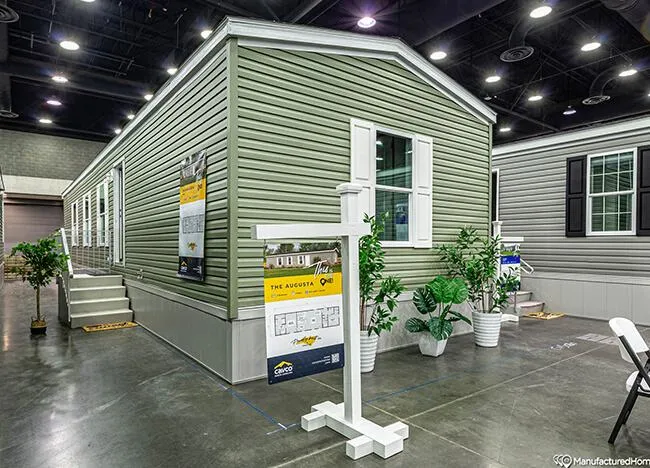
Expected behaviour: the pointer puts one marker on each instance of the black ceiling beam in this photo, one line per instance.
(505, 110)
(303, 9)
(53, 129)
(229, 8)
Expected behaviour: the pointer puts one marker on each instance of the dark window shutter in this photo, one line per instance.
(576, 197)
(643, 192)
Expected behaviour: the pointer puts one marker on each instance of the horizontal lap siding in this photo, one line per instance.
(193, 119)
(294, 111)
(532, 205)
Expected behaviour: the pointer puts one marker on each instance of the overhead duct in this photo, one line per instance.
(517, 48)
(7, 15)
(597, 89)
(636, 12)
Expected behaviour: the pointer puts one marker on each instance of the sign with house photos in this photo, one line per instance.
(304, 309)
(191, 228)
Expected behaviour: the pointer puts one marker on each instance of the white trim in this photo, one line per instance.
(118, 230)
(632, 191)
(270, 34)
(102, 242)
(498, 173)
(74, 223)
(601, 134)
(87, 221)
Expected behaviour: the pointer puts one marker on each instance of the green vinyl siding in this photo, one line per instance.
(192, 118)
(293, 149)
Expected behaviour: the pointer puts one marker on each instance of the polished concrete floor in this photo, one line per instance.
(124, 399)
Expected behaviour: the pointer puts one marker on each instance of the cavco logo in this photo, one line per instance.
(306, 340)
(283, 368)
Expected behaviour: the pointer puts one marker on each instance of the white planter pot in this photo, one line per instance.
(429, 346)
(486, 329)
(368, 351)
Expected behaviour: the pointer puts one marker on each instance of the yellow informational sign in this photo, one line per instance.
(302, 287)
(191, 227)
(192, 192)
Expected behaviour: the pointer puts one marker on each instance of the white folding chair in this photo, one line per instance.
(631, 344)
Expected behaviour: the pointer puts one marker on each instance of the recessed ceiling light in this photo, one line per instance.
(628, 72)
(493, 78)
(569, 111)
(589, 46)
(505, 129)
(366, 22)
(69, 45)
(118, 131)
(60, 79)
(45, 121)
(535, 97)
(53, 102)
(148, 97)
(87, 1)
(438, 55)
(130, 116)
(172, 70)
(541, 11)
(206, 33)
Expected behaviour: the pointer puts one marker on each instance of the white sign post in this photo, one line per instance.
(365, 436)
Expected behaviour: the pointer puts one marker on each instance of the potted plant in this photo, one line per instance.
(435, 300)
(475, 260)
(43, 261)
(374, 288)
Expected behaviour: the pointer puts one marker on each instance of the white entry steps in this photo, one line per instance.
(525, 303)
(96, 300)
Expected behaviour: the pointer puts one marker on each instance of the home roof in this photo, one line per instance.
(305, 38)
(283, 254)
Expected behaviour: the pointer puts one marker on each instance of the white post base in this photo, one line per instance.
(365, 436)
(509, 318)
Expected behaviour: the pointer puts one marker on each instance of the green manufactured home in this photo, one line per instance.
(285, 113)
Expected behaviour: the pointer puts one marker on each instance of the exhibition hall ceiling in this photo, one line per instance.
(81, 67)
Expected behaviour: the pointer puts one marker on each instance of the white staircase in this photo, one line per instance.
(96, 300)
(525, 303)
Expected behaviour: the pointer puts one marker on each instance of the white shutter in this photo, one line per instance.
(422, 192)
(362, 163)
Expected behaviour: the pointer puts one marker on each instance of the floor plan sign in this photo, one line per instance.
(192, 217)
(303, 304)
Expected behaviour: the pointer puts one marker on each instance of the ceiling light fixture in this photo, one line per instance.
(505, 129)
(118, 131)
(569, 111)
(366, 22)
(172, 70)
(148, 97)
(628, 72)
(53, 102)
(541, 11)
(69, 45)
(130, 116)
(87, 1)
(60, 79)
(589, 46)
(536, 97)
(438, 55)
(206, 33)
(493, 79)
(45, 121)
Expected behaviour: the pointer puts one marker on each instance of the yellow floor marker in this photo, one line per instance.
(109, 326)
(545, 315)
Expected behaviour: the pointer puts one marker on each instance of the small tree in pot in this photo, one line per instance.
(475, 260)
(374, 287)
(436, 300)
(43, 261)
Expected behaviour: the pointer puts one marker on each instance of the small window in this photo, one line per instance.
(74, 224)
(279, 261)
(86, 227)
(612, 196)
(289, 261)
(102, 214)
(394, 184)
(301, 259)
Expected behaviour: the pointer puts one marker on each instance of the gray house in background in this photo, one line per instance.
(301, 259)
(581, 200)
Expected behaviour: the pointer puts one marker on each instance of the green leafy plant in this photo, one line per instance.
(475, 259)
(436, 300)
(373, 286)
(43, 261)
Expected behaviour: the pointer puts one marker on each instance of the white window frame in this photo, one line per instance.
(102, 242)
(86, 227)
(119, 223)
(623, 192)
(301, 259)
(289, 261)
(279, 261)
(388, 188)
(74, 224)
